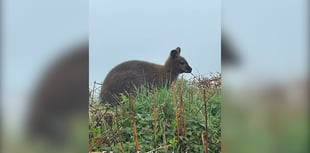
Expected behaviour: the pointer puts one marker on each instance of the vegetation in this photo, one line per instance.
(162, 120)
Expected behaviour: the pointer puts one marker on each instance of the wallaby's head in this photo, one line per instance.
(177, 63)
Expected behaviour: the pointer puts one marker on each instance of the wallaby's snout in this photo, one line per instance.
(189, 69)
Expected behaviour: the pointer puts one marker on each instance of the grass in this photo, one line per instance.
(162, 120)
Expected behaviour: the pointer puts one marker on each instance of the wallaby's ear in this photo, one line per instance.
(175, 52)
(178, 49)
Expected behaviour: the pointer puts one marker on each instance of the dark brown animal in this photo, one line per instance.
(128, 76)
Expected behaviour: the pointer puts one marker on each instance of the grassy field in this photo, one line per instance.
(183, 118)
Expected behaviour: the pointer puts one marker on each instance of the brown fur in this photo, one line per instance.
(127, 76)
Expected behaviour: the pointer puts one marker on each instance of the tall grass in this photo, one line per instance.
(183, 118)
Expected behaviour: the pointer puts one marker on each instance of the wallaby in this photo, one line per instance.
(128, 76)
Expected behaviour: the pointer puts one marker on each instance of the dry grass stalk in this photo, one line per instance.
(134, 122)
(93, 91)
(176, 111)
(203, 140)
(206, 118)
(182, 113)
(154, 95)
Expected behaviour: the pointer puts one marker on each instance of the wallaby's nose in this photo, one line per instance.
(189, 69)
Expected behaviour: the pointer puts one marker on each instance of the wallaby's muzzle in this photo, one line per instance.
(188, 69)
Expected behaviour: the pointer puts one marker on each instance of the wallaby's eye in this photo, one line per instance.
(182, 62)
